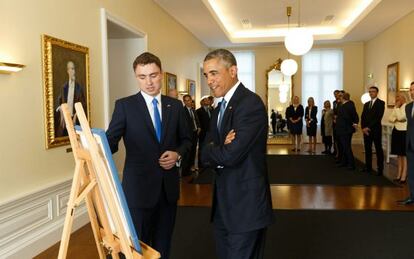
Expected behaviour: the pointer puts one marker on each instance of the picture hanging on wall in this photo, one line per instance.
(66, 80)
(392, 83)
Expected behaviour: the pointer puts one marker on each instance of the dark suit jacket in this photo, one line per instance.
(371, 118)
(346, 117)
(143, 177)
(410, 127)
(190, 120)
(204, 122)
(241, 187)
(313, 114)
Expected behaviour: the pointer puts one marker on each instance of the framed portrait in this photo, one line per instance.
(170, 82)
(191, 88)
(392, 83)
(66, 80)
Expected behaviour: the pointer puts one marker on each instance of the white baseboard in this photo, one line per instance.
(33, 223)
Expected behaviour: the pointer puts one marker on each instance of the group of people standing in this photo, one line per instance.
(338, 124)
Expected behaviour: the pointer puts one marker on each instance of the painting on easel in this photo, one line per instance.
(66, 80)
(96, 182)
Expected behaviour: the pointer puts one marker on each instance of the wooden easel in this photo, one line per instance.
(86, 186)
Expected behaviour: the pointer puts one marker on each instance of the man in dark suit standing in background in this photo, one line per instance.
(236, 149)
(372, 129)
(346, 124)
(409, 112)
(188, 164)
(155, 135)
(204, 116)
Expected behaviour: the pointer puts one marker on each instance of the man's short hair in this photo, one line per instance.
(336, 91)
(374, 87)
(222, 54)
(412, 83)
(186, 96)
(346, 96)
(145, 59)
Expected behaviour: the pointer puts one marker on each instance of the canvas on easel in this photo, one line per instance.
(96, 181)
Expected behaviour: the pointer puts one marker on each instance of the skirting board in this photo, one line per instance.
(33, 223)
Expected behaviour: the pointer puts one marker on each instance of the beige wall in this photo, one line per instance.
(25, 165)
(353, 57)
(393, 45)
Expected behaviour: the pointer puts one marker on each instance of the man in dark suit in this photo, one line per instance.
(204, 116)
(371, 128)
(273, 119)
(236, 149)
(155, 135)
(194, 127)
(409, 112)
(346, 123)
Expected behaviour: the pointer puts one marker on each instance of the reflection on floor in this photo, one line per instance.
(283, 197)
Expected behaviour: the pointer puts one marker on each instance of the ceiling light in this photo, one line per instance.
(298, 41)
(289, 67)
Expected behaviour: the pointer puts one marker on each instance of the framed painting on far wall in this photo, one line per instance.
(170, 82)
(66, 80)
(392, 83)
(191, 88)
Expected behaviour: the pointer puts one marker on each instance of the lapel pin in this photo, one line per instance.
(168, 105)
(230, 107)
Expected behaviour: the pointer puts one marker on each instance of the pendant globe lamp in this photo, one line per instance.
(298, 41)
(289, 67)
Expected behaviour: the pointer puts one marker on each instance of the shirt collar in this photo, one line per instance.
(230, 93)
(148, 98)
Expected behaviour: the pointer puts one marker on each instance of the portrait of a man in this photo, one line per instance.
(71, 93)
(66, 80)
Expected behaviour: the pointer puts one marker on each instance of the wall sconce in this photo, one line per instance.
(8, 68)
(183, 92)
(370, 76)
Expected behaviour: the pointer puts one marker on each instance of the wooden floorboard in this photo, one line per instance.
(82, 244)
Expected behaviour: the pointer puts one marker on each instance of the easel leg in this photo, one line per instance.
(70, 213)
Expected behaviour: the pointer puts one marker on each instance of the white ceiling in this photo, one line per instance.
(218, 23)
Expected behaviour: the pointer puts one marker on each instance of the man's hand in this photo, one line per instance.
(168, 159)
(366, 131)
(230, 137)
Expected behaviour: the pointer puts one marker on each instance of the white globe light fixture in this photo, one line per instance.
(365, 98)
(282, 98)
(298, 41)
(289, 67)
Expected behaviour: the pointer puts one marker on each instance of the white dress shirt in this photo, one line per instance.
(148, 100)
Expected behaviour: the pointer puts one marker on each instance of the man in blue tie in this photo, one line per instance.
(155, 136)
(236, 149)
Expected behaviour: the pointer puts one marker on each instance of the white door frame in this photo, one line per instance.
(106, 16)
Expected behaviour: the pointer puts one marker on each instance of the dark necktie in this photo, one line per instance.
(370, 104)
(157, 119)
(222, 110)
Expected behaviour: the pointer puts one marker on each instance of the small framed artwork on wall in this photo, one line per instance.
(392, 83)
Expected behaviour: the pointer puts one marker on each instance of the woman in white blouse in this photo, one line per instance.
(398, 145)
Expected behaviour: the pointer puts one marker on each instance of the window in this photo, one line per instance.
(321, 76)
(245, 65)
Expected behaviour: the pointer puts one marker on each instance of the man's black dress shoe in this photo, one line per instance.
(407, 201)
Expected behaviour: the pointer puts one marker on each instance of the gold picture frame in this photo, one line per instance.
(392, 83)
(65, 66)
(191, 88)
(170, 82)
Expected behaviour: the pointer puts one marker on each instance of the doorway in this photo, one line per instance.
(121, 44)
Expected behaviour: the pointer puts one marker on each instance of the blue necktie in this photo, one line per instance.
(222, 110)
(157, 119)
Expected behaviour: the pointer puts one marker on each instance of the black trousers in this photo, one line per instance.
(246, 245)
(376, 138)
(410, 171)
(327, 140)
(155, 225)
(274, 127)
(189, 159)
(347, 155)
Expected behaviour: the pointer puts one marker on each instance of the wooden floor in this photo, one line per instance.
(283, 197)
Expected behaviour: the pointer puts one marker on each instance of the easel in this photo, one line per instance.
(87, 186)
